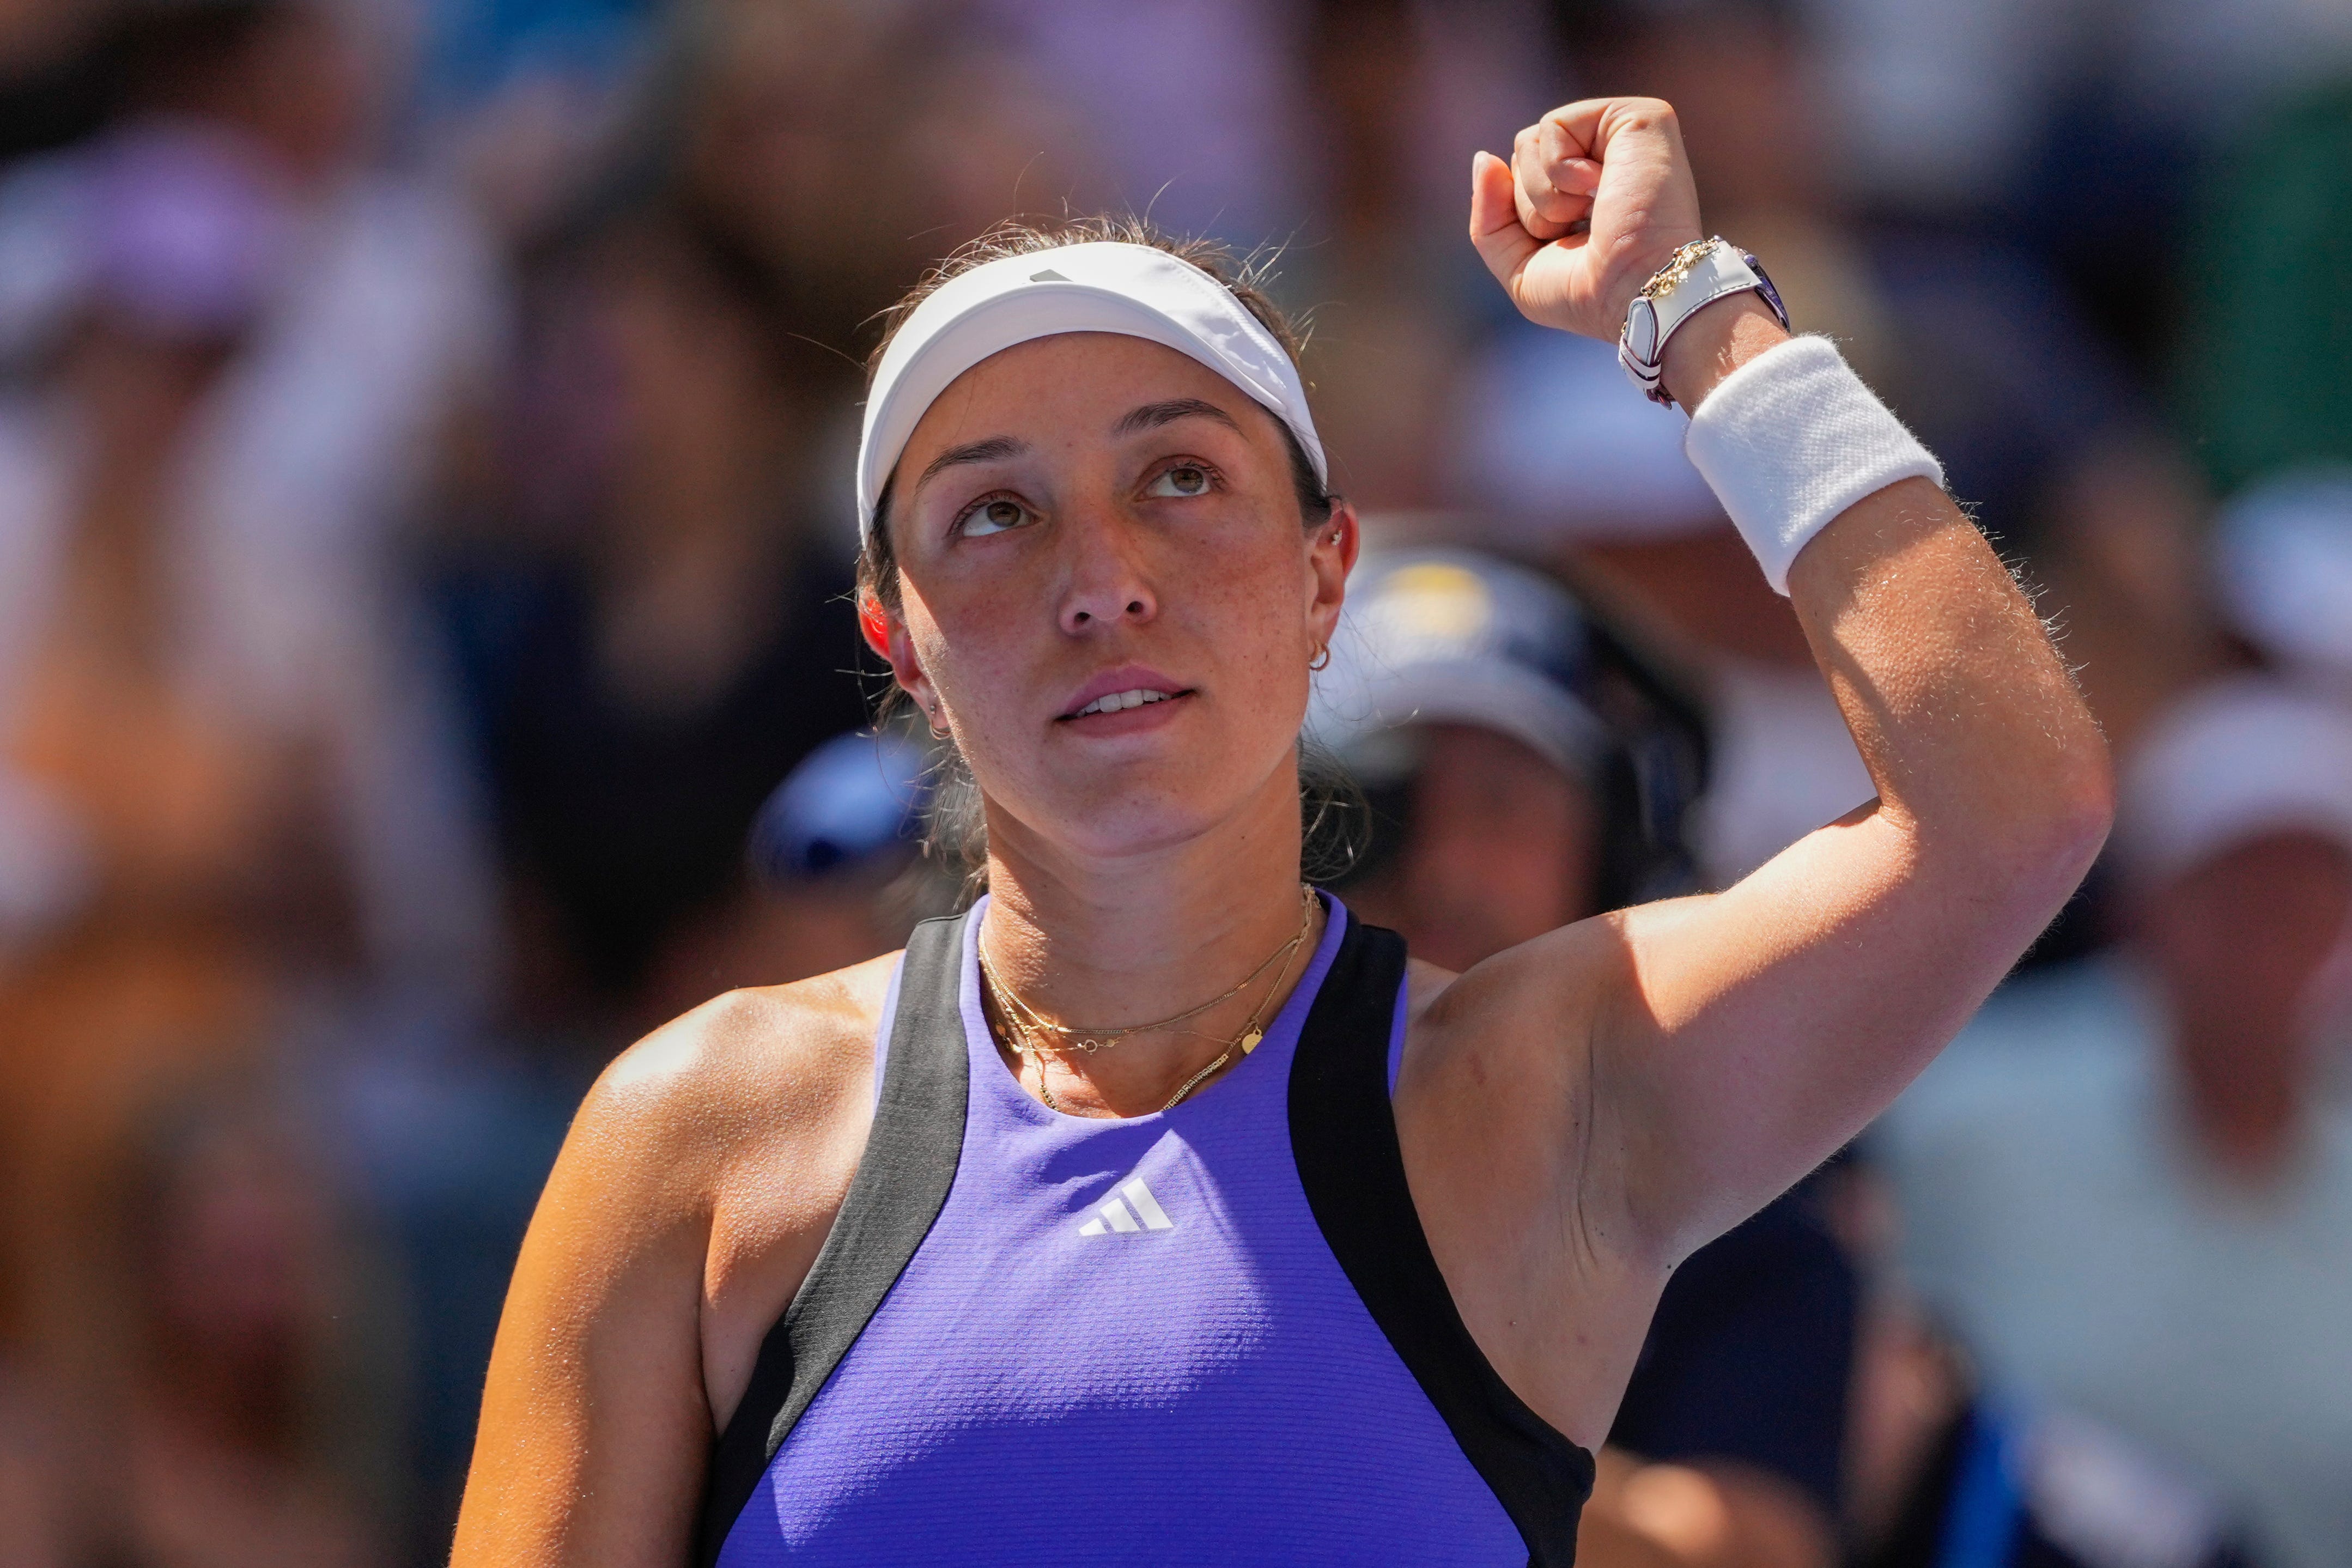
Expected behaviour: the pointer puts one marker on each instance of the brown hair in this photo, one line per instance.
(955, 834)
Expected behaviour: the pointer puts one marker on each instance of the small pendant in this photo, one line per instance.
(1250, 1040)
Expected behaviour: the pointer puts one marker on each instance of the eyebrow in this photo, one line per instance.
(1151, 416)
(987, 451)
(1147, 417)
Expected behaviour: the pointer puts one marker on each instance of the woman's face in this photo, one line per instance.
(1091, 516)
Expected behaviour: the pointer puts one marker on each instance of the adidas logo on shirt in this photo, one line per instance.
(1131, 1208)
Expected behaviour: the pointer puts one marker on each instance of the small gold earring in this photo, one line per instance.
(932, 718)
(1322, 659)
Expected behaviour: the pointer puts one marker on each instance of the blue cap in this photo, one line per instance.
(855, 801)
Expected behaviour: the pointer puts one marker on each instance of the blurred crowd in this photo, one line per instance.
(425, 663)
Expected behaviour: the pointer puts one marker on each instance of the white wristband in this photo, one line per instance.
(1792, 438)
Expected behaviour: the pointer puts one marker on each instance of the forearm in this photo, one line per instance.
(1963, 713)
(1971, 728)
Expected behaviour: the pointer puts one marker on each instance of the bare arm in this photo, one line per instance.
(595, 1431)
(1740, 1038)
(691, 1196)
(1733, 1041)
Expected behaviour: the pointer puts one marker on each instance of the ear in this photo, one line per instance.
(1332, 554)
(885, 634)
(873, 622)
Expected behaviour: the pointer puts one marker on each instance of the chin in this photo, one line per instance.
(1144, 807)
(1140, 822)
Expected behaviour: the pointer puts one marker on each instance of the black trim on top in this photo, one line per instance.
(901, 1184)
(1343, 1136)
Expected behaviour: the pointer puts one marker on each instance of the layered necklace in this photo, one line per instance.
(1033, 1037)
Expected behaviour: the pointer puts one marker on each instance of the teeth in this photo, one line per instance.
(1118, 699)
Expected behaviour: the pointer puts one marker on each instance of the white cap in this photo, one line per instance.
(2231, 762)
(1099, 286)
(2283, 555)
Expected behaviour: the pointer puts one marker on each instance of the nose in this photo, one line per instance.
(1108, 583)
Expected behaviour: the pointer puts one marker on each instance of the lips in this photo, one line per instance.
(1114, 701)
(1117, 690)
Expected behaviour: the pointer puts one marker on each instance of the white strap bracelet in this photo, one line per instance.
(1792, 438)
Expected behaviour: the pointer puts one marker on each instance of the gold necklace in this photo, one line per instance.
(1090, 1040)
(1245, 1044)
(1020, 1019)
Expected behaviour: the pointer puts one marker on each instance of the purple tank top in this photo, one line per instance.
(1128, 1341)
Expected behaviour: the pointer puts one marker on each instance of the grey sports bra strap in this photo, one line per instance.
(902, 1182)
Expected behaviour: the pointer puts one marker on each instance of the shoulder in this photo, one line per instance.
(740, 1060)
(1529, 997)
(678, 1112)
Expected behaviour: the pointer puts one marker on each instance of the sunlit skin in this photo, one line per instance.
(1577, 1113)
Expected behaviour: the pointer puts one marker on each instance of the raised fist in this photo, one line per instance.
(1596, 197)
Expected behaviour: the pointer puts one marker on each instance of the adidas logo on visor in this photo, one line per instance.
(1131, 1208)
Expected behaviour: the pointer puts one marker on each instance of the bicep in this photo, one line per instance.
(1745, 1037)
(595, 1431)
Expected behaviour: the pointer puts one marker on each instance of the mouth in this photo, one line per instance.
(1128, 691)
(1120, 701)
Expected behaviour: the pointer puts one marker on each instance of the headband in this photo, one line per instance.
(1102, 286)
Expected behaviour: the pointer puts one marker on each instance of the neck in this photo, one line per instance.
(1103, 940)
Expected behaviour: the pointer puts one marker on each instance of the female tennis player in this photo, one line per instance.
(1155, 1210)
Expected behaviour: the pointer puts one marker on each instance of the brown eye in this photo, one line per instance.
(993, 515)
(1184, 480)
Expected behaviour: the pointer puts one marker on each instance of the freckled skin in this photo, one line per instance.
(1577, 1113)
(1222, 592)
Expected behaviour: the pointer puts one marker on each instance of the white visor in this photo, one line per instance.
(2244, 756)
(1102, 286)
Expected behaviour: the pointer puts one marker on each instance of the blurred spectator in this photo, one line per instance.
(838, 872)
(225, 771)
(2127, 1186)
(789, 118)
(1944, 105)
(2122, 564)
(1192, 110)
(2284, 557)
(681, 639)
(2265, 389)
(240, 349)
(1476, 704)
(254, 1431)
(1944, 1474)
(1399, 93)
(232, 813)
